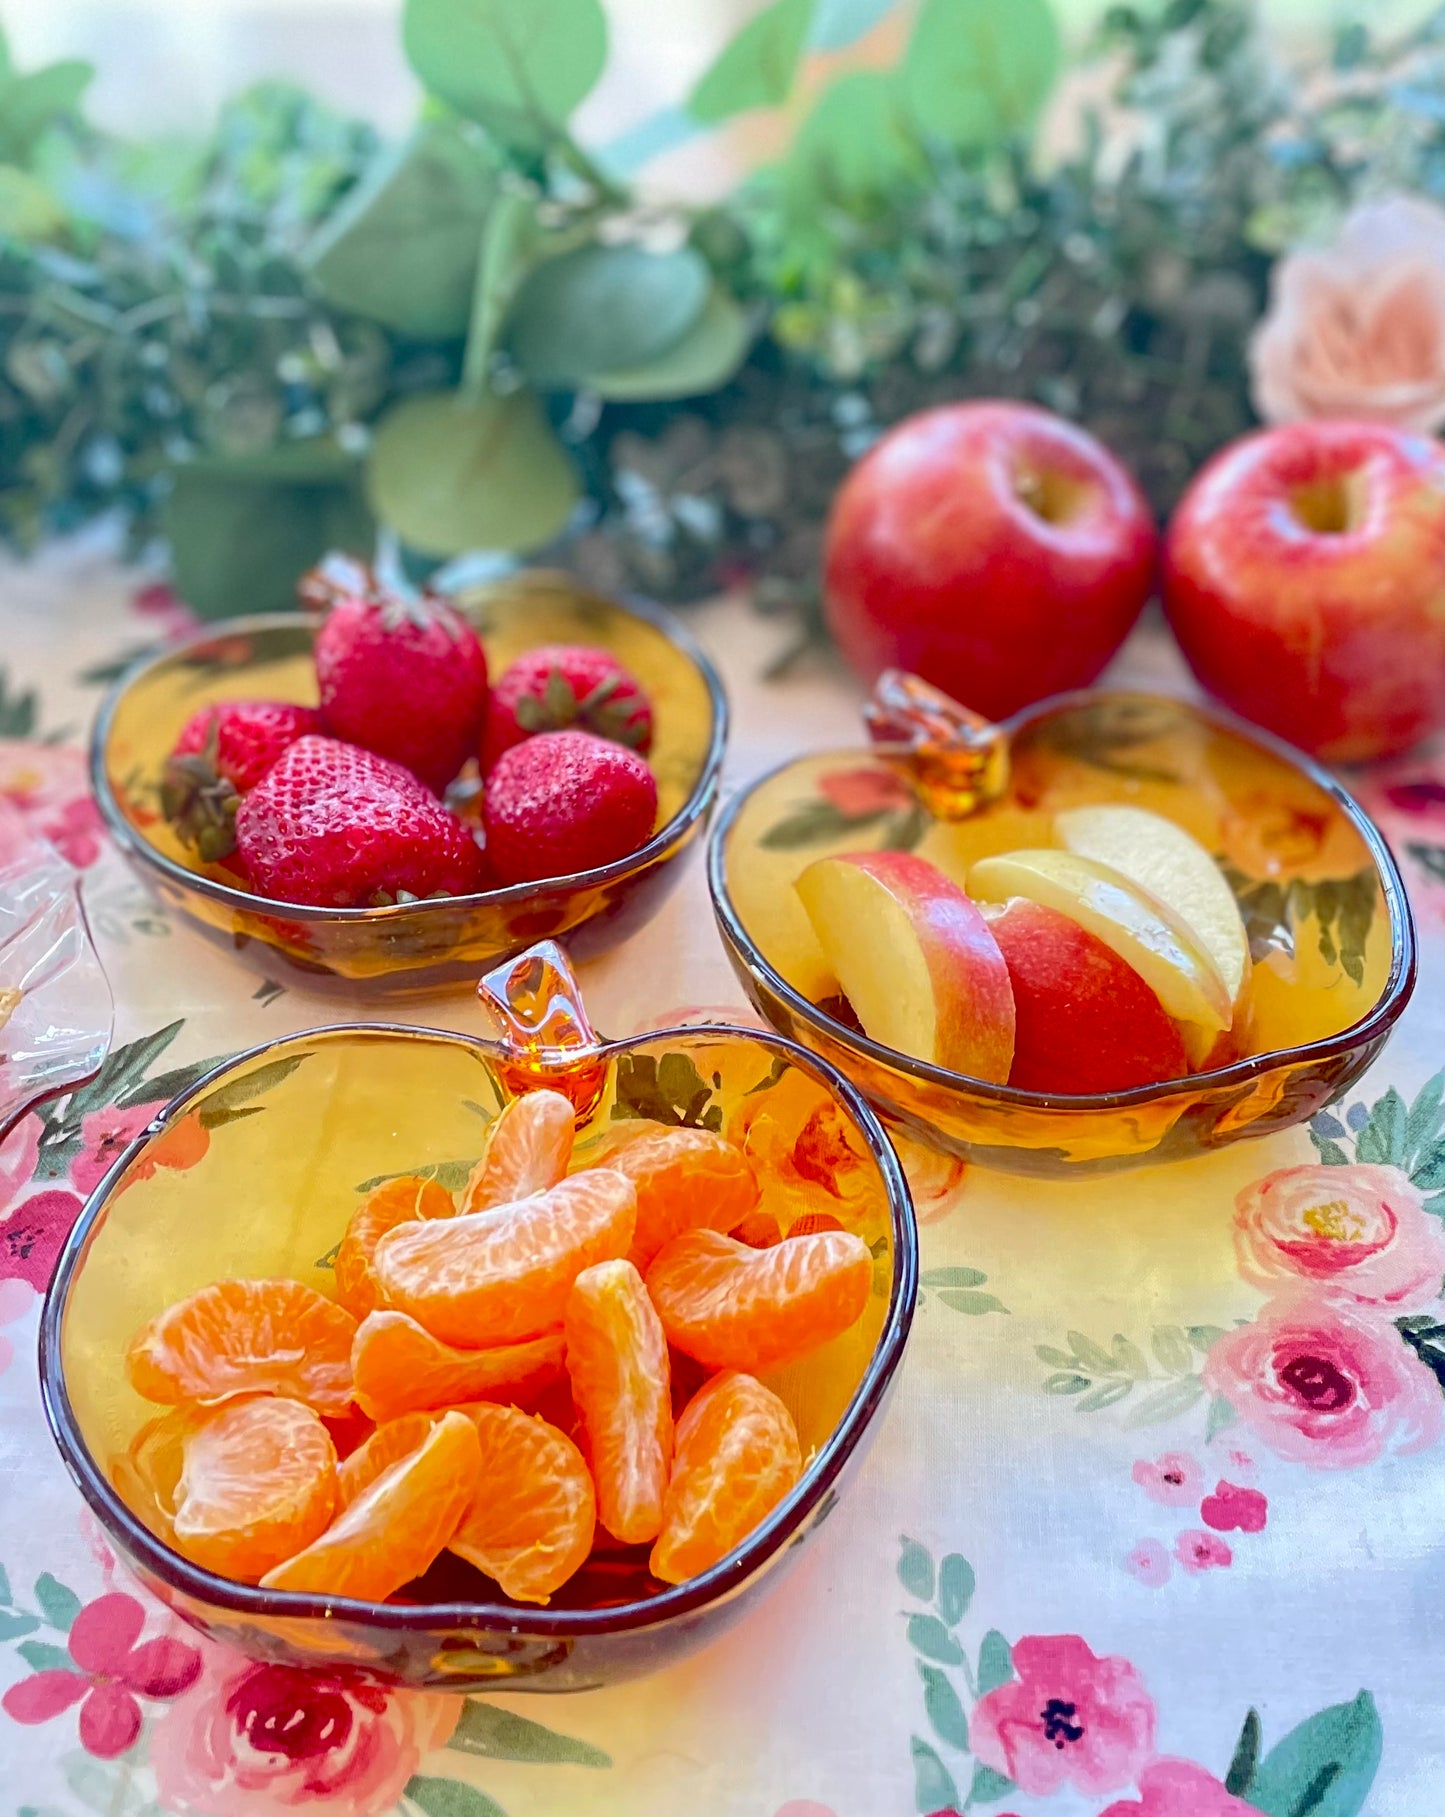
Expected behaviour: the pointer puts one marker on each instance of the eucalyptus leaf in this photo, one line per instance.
(856, 147)
(518, 67)
(403, 246)
(603, 308)
(30, 104)
(509, 247)
(838, 23)
(976, 72)
(450, 474)
(757, 65)
(708, 355)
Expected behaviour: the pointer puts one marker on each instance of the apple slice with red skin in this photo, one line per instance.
(915, 959)
(1085, 1021)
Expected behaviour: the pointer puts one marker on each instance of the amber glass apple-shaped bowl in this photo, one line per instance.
(415, 945)
(1329, 925)
(255, 1171)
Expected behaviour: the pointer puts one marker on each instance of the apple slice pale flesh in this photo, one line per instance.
(915, 958)
(1171, 865)
(1141, 930)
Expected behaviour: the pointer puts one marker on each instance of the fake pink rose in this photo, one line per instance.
(1068, 1718)
(1357, 329)
(1326, 1383)
(1360, 1230)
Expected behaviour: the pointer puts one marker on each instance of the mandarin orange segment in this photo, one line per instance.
(532, 1523)
(402, 1201)
(247, 1337)
(494, 1277)
(397, 1365)
(617, 1361)
(398, 1524)
(527, 1151)
(733, 1307)
(685, 1179)
(259, 1483)
(388, 1445)
(737, 1457)
(148, 1472)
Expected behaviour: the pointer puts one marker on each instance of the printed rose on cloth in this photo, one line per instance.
(1069, 1718)
(50, 785)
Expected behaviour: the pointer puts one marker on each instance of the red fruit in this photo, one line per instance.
(343, 828)
(992, 548)
(223, 751)
(1083, 1020)
(405, 678)
(557, 686)
(564, 802)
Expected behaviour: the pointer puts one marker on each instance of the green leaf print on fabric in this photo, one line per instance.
(1323, 1768)
(1391, 1133)
(933, 1785)
(915, 1570)
(450, 1798)
(500, 1734)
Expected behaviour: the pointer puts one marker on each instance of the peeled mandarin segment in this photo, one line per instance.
(388, 1445)
(247, 1337)
(1173, 866)
(402, 1201)
(496, 1276)
(535, 1514)
(617, 1361)
(396, 1526)
(148, 1472)
(259, 1483)
(737, 1457)
(732, 1307)
(528, 1149)
(397, 1365)
(685, 1179)
(1132, 923)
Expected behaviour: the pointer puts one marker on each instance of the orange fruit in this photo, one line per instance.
(496, 1276)
(401, 1201)
(247, 1337)
(812, 1222)
(733, 1307)
(527, 1150)
(388, 1445)
(535, 1513)
(759, 1230)
(737, 1457)
(398, 1523)
(397, 1365)
(617, 1360)
(684, 1178)
(259, 1483)
(148, 1472)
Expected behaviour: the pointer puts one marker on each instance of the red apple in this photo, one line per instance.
(915, 959)
(992, 548)
(1304, 576)
(1083, 1020)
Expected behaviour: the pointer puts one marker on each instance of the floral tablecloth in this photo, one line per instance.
(1155, 1527)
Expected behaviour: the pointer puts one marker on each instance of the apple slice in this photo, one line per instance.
(915, 959)
(1171, 865)
(1142, 931)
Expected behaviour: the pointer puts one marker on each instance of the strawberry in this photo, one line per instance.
(223, 751)
(557, 686)
(564, 802)
(339, 827)
(404, 677)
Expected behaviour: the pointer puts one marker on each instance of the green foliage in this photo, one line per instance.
(757, 67)
(605, 308)
(31, 104)
(501, 1734)
(702, 359)
(1323, 1768)
(1391, 1133)
(977, 73)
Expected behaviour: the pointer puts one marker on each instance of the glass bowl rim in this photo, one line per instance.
(1379, 1020)
(663, 841)
(766, 1540)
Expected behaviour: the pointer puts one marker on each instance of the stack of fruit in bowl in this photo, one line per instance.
(561, 1360)
(341, 805)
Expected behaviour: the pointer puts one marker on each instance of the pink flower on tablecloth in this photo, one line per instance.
(161, 603)
(1234, 1510)
(19, 1157)
(1149, 1562)
(1360, 1230)
(113, 1668)
(256, 1740)
(50, 785)
(1199, 1551)
(32, 1236)
(16, 1299)
(804, 1807)
(105, 1135)
(862, 794)
(1068, 1718)
(1174, 1479)
(1178, 1788)
(1326, 1384)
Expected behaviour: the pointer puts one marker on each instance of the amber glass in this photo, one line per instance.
(421, 945)
(278, 1145)
(1330, 928)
